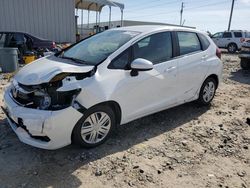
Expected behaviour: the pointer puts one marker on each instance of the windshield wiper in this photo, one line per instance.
(73, 59)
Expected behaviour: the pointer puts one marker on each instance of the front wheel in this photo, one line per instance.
(207, 91)
(94, 127)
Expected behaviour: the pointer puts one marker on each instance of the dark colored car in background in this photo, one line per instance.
(24, 42)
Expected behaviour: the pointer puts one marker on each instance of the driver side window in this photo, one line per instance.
(217, 35)
(156, 48)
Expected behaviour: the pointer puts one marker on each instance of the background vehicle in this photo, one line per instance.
(245, 55)
(230, 40)
(111, 78)
(24, 41)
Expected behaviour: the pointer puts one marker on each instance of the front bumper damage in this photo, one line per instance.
(41, 128)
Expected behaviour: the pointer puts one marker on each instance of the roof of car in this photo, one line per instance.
(148, 28)
(25, 33)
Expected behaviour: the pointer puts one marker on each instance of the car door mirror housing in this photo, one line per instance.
(140, 64)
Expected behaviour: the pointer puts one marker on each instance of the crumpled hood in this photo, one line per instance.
(44, 69)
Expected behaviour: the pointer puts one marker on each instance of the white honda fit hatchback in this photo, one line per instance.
(82, 93)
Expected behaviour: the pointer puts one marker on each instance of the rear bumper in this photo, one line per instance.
(40, 128)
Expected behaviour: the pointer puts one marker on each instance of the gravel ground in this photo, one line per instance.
(186, 146)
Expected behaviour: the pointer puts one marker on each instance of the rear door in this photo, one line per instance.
(191, 69)
(238, 38)
(226, 39)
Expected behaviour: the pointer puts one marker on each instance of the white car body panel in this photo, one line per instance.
(168, 84)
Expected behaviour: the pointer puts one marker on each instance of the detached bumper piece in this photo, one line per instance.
(20, 125)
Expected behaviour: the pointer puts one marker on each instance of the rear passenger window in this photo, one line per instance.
(156, 48)
(238, 34)
(227, 35)
(204, 41)
(188, 42)
(247, 34)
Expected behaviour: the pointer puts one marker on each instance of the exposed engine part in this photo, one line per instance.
(48, 96)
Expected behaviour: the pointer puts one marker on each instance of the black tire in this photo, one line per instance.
(232, 48)
(201, 99)
(76, 134)
(245, 64)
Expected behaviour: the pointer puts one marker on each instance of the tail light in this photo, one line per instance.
(218, 53)
(242, 40)
(53, 45)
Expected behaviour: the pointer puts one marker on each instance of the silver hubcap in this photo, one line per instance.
(96, 127)
(208, 92)
(231, 48)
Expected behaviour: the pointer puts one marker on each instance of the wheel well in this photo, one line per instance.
(215, 77)
(115, 107)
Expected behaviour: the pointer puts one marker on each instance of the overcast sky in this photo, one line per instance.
(211, 15)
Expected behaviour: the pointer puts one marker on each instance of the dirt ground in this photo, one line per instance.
(187, 146)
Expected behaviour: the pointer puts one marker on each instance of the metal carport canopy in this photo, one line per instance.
(97, 5)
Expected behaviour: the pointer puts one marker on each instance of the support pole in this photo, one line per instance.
(88, 18)
(121, 17)
(182, 6)
(99, 20)
(81, 22)
(231, 14)
(109, 17)
(96, 18)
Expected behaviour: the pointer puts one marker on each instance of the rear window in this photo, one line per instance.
(188, 42)
(247, 34)
(204, 41)
(238, 34)
(227, 35)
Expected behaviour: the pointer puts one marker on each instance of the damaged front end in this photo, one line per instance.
(44, 115)
(57, 94)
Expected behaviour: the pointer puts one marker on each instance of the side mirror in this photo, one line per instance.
(140, 65)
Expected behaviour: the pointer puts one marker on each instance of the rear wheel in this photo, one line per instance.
(245, 64)
(232, 48)
(207, 91)
(94, 128)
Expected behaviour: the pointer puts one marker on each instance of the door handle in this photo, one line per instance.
(170, 69)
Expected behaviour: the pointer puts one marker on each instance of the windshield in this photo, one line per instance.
(97, 48)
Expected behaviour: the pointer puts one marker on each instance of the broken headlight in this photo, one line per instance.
(45, 102)
(44, 96)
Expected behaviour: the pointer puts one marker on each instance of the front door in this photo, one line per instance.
(152, 90)
(217, 38)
